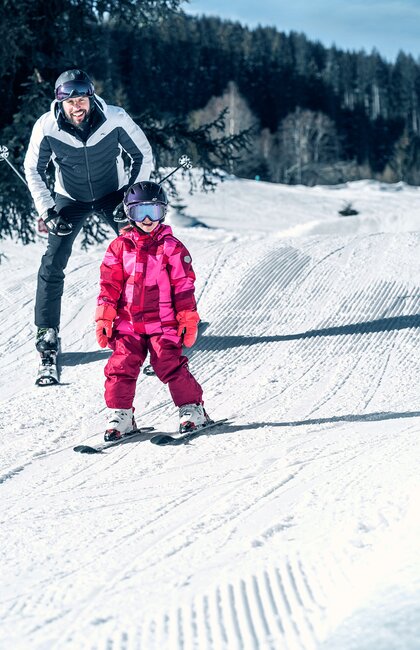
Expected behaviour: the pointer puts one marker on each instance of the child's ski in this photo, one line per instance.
(162, 439)
(98, 449)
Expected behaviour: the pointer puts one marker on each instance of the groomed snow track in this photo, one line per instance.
(267, 534)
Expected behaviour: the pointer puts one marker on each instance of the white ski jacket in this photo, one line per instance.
(85, 170)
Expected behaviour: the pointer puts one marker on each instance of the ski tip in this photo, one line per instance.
(47, 381)
(85, 449)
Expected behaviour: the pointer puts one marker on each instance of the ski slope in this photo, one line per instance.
(293, 527)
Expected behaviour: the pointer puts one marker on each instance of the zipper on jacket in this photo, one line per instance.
(88, 171)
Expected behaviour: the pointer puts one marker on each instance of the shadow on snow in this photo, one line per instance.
(80, 358)
(362, 417)
(230, 427)
(380, 325)
(225, 342)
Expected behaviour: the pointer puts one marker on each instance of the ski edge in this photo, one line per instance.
(98, 449)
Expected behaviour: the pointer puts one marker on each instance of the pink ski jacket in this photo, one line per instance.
(148, 279)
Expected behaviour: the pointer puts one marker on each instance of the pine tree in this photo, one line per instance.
(72, 34)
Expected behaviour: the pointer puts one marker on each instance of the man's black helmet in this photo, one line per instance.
(73, 83)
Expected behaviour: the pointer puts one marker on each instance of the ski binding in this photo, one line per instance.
(162, 439)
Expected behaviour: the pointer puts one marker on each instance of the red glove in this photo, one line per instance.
(42, 228)
(104, 317)
(188, 326)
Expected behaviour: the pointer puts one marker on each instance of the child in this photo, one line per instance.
(146, 304)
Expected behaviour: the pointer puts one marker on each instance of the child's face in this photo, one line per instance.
(148, 225)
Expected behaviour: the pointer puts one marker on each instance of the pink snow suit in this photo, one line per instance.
(148, 279)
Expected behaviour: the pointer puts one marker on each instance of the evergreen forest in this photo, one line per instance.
(258, 103)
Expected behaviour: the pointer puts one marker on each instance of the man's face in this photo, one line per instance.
(76, 109)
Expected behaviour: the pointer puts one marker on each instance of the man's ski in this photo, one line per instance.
(47, 370)
(162, 439)
(98, 449)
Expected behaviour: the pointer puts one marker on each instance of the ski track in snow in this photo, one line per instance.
(270, 532)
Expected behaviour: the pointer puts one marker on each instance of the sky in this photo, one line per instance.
(386, 25)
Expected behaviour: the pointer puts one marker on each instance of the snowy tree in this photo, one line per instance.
(306, 137)
(239, 119)
(239, 116)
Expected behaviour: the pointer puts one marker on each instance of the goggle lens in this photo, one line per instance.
(142, 211)
(74, 89)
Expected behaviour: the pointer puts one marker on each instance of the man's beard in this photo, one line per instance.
(81, 125)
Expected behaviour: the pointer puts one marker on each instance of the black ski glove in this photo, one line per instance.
(119, 214)
(56, 224)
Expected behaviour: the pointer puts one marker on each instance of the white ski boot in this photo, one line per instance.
(192, 417)
(120, 422)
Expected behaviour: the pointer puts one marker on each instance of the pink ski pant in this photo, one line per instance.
(166, 358)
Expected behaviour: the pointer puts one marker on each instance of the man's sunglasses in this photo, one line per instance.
(71, 89)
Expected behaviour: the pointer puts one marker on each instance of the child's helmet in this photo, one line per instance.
(145, 199)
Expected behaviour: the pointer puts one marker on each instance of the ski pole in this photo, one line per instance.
(184, 162)
(4, 155)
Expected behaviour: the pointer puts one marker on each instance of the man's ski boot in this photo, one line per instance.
(120, 422)
(47, 339)
(47, 344)
(191, 418)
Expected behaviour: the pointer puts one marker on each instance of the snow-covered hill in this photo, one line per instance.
(296, 525)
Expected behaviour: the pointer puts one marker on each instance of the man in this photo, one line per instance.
(84, 138)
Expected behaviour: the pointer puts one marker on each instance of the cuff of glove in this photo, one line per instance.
(105, 312)
(187, 317)
(49, 214)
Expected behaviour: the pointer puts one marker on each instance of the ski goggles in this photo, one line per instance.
(74, 89)
(141, 211)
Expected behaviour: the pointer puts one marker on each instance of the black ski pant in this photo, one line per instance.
(51, 272)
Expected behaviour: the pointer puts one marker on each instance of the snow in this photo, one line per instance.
(296, 525)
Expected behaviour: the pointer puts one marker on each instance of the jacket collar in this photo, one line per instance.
(133, 233)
